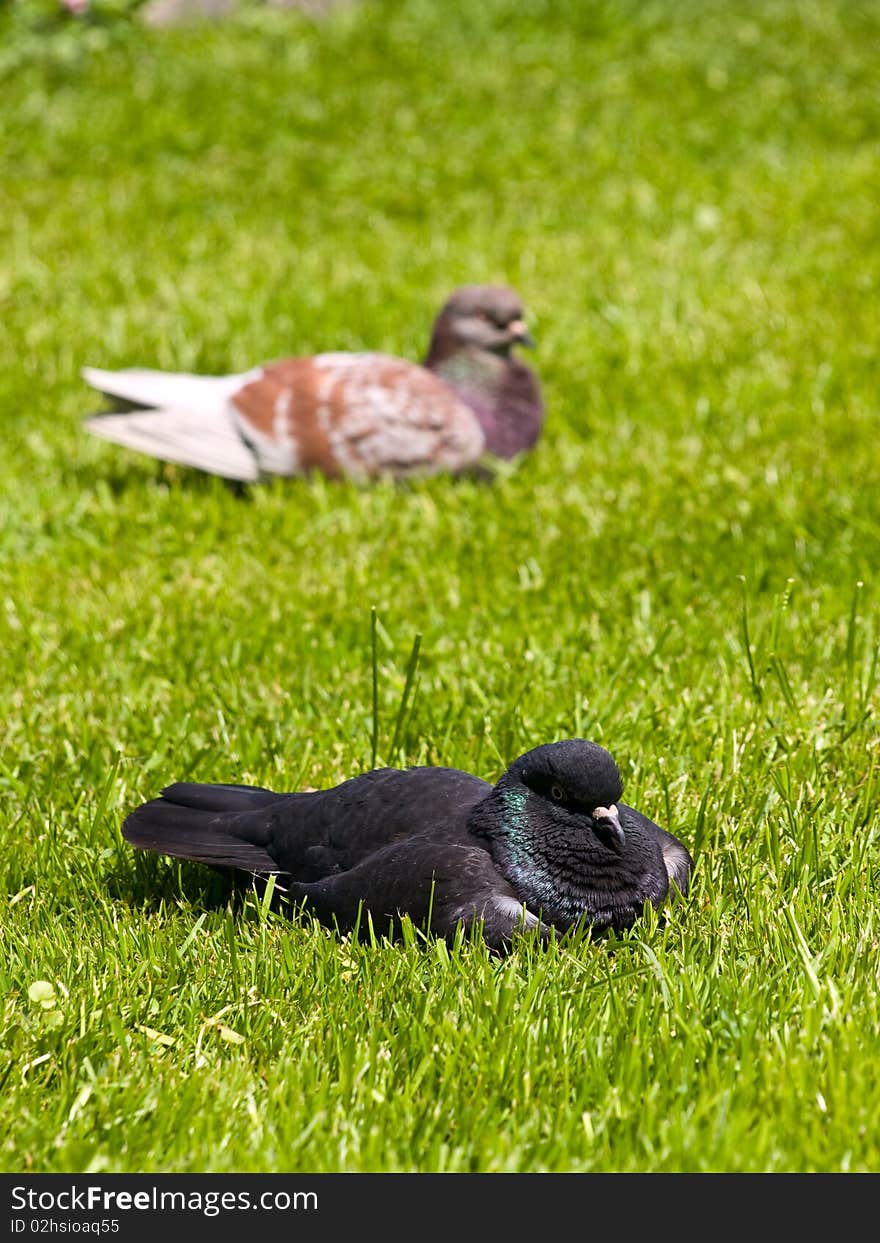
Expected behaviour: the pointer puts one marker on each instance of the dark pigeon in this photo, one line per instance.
(346, 414)
(550, 846)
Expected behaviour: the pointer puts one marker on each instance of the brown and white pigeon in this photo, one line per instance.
(361, 415)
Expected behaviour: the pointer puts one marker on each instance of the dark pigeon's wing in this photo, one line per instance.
(382, 845)
(306, 836)
(676, 857)
(438, 884)
(330, 831)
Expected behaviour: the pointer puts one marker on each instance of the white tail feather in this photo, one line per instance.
(205, 438)
(167, 388)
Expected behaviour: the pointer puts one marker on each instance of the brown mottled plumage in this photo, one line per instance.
(346, 414)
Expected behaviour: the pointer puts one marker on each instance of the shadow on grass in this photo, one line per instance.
(120, 478)
(149, 884)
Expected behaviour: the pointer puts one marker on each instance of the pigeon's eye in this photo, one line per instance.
(557, 793)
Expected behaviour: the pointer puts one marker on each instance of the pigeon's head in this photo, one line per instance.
(572, 786)
(485, 317)
(559, 837)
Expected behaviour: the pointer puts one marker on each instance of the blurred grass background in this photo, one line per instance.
(686, 196)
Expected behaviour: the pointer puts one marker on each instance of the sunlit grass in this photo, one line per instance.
(684, 570)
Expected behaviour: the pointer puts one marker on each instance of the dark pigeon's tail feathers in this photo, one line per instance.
(210, 824)
(219, 797)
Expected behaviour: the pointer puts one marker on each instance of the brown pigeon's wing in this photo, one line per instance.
(355, 414)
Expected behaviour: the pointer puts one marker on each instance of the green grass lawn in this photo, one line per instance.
(688, 197)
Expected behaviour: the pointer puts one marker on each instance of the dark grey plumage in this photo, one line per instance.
(550, 845)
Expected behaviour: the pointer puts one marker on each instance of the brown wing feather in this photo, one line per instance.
(356, 414)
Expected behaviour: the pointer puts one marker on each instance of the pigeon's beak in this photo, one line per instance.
(519, 333)
(608, 828)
